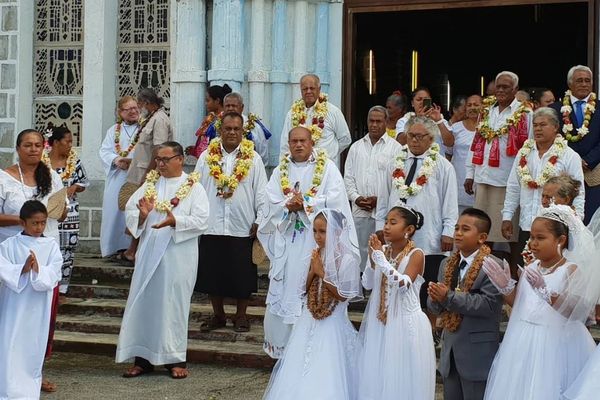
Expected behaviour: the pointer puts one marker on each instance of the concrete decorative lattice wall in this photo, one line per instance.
(9, 25)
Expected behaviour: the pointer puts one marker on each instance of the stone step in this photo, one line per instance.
(239, 354)
(198, 311)
(112, 325)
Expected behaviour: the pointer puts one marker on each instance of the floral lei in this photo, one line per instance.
(241, 169)
(549, 170)
(320, 301)
(566, 111)
(69, 167)
(284, 180)
(452, 320)
(426, 170)
(484, 128)
(318, 121)
(248, 126)
(165, 206)
(383, 294)
(136, 137)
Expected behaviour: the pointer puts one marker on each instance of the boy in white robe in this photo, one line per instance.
(168, 213)
(30, 268)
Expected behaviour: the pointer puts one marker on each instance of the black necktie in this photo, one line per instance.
(462, 264)
(411, 172)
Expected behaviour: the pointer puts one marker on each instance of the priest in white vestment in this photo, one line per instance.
(326, 122)
(30, 268)
(303, 184)
(117, 150)
(365, 175)
(168, 213)
(234, 178)
(423, 179)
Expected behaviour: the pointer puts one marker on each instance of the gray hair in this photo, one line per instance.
(548, 113)
(577, 68)
(313, 76)
(430, 126)
(398, 99)
(514, 77)
(234, 95)
(380, 109)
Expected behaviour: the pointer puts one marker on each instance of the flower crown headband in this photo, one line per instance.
(563, 214)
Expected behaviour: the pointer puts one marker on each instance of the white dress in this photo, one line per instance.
(319, 362)
(399, 357)
(541, 354)
(460, 155)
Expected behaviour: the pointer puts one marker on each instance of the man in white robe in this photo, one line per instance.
(285, 231)
(25, 307)
(155, 322)
(254, 128)
(335, 134)
(365, 175)
(112, 231)
(226, 268)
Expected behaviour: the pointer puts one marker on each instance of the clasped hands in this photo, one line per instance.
(367, 203)
(145, 206)
(296, 203)
(122, 163)
(316, 264)
(31, 263)
(437, 291)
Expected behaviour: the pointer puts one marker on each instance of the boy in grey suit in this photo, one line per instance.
(470, 307)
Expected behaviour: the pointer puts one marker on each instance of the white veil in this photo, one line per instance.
(341, 259)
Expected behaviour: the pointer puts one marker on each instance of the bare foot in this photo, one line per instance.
(48, 386)
(179, 373)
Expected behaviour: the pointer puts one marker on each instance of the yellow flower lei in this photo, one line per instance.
(164, 206)
(69, 167)
(566, 110)
(316, 179)
(318, 121)
(136, 137)
(484, 128)
(241, 169)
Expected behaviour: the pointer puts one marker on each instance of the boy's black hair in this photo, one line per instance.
(31, 207)
(484, 223)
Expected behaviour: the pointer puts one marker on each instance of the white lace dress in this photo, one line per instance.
(541, 353)
(397, 359)
(319, 362)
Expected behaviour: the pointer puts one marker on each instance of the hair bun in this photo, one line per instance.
(420, 219)
(227, 89)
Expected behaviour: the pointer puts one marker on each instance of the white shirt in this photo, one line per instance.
(530, 200)
(437, 201)
(233, 216)
(365, 169)
(469, 260)
(335, 138)
(463, 138)
(496, 176)
(260, 141)
(401, 123)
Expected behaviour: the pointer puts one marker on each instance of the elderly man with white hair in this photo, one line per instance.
(325, 121)
(580, 125)
(504, 125)
(364, 174)
(423, 179)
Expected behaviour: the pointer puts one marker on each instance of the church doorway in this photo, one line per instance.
(457, 47)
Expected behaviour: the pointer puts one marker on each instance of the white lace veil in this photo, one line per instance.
(341, 259)
(577, 299)
(594, 227)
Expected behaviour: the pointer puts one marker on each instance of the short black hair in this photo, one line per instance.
(484, 223)
(233, 114)
(410, 216)
(175, 146)
(32, 207)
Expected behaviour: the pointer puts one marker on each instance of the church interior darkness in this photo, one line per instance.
(462, 45)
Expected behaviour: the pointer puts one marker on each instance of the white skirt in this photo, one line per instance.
(319, 362)
(587, 384)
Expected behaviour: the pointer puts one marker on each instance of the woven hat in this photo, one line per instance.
(592, 178)
(57, 203)
(125, 193)
(259, 256)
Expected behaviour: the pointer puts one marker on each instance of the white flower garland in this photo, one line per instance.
(567, 109)
(549, 170)
(421, 177)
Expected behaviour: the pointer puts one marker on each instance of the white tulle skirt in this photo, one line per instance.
(538, 362)
(319, 362)
(587, 384)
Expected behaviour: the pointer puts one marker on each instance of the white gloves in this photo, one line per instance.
(394, 277)
(537, 282)
(499, 276)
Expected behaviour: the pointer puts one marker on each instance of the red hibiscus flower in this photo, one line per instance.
(421, 180)
(553, 160)
(321, 125)
(174, 201)
(287, 191)
(398, 173)
(302, 121)
(532, 185)
(522, 162)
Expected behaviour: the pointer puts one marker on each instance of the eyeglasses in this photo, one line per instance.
(418, 138)
(130, 109)
(165, 160)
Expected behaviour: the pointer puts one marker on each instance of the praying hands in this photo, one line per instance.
(316, 264)
(437, 291)
(169, 221)
(296, 203)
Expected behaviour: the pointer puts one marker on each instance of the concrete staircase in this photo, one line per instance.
(90, 319)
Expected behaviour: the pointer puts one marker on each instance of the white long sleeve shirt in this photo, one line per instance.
(365, 172)
(437, 201)
(496, 176)
(460, 159)
(261, 145)
(336, 134)
(234, 216)
(530, 200)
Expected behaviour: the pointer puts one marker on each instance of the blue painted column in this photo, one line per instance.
(227, 44)
(321, 45)
(279, 78)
